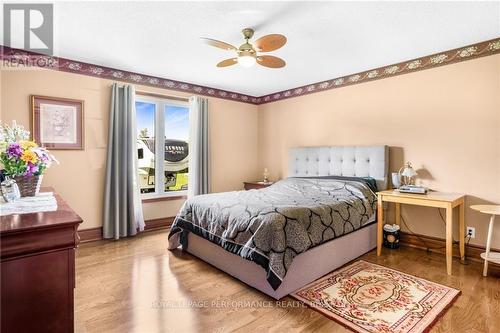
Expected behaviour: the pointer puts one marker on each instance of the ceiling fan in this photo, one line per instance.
(247, 54)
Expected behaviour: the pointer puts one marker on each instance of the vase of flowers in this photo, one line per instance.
(23, 160)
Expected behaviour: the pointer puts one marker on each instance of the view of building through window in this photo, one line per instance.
(171, 119)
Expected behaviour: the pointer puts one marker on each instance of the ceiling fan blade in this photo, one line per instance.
(218, 43)
(227, 62)
(271, 61)
(270, 43)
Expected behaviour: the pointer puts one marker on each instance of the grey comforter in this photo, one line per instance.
(271, 226)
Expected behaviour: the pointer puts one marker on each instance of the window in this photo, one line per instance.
(163, 157)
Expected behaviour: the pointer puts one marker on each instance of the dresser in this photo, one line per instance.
(38, 270)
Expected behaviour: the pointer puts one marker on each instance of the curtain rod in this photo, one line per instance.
(154, 94)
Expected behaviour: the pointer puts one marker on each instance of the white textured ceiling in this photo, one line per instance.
(325, 39)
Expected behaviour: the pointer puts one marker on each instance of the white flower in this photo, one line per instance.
(117, 74)
(96, 70)
(494, 45)
(324, 85)
(287, 93)
(153, 80)
(135, 77)
(372, 74)
(391, 70)
(276, 96)
(468, 51)
(440, 58)
(354, 78)
(210, 91)
(338, 82)
(244, 98)
(414, 64)
(234, 96)
(222, 93)
(310, 88)
(267, 98)
(53, 62)
(169, 84)
(13, 133)
(184, 86)
(74, 66)
(21, 57)
(298, 91)
(198, 89)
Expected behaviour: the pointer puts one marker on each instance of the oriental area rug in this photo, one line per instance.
(366, 297)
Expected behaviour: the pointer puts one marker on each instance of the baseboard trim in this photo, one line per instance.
(160, 223)
(90, 235)
(95, 234)
(437, 245)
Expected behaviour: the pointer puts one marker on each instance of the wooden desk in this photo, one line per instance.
(447, 201)
(37, 253)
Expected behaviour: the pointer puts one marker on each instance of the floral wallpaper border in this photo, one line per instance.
(469, 52)
(473, 51)
(17, 56)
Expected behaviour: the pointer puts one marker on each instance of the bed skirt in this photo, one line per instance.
(305, 268)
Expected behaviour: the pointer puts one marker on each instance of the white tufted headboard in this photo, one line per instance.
(348, 161)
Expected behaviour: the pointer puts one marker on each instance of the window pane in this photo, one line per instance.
(146, 145)
(176, 147)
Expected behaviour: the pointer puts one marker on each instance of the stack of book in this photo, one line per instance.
(42, 202)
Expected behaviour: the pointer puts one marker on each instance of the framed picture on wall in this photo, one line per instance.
(57, 123)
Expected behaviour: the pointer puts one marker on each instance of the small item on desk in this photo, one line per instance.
(22, 159)
(413, 189)
(407, 174)
(10, 190)
(391, 236)
(42, 202)
(404, 180)
(396, 180)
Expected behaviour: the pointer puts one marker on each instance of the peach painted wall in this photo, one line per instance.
(80, 176)
(446, 121)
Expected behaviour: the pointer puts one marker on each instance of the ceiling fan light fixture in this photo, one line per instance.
(246, 54)
(246, 60)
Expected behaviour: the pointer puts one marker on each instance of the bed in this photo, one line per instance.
(287, 235)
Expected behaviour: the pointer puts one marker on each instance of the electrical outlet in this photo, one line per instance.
(471, 231)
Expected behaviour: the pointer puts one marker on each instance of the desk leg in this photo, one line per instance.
(449, 237)
(380, 224)
(461, 232)
(398, 213)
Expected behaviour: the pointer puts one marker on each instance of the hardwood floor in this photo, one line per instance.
(137, 285)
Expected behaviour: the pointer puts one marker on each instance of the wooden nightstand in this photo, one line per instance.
(256, 185)
(436, 199)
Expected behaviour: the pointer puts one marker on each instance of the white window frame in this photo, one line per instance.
(160, 105)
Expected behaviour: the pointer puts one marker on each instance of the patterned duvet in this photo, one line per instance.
(271, 226)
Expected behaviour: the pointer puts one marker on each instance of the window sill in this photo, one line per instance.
(165, 198)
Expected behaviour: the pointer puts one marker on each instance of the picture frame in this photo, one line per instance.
(57, 123)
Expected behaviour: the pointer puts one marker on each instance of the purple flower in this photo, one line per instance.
(14, 150)
(31, 169)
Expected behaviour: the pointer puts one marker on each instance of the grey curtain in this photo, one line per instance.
(122, 204)
(199, 154)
